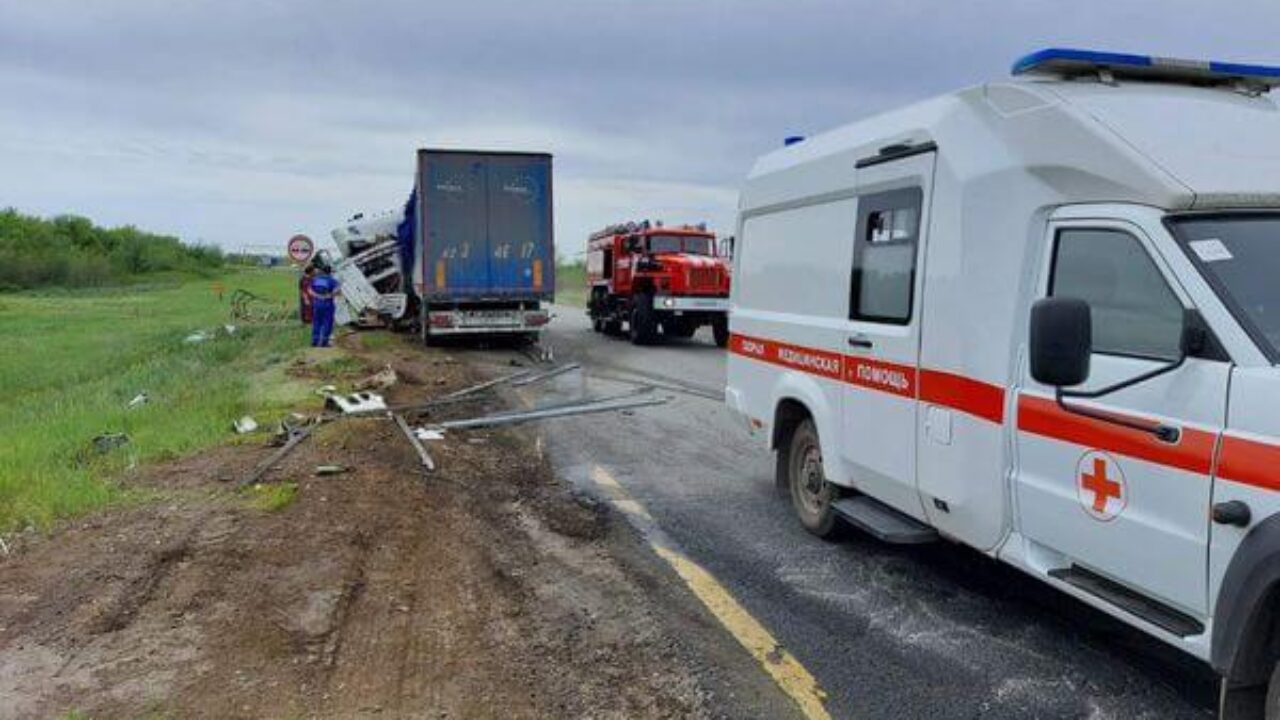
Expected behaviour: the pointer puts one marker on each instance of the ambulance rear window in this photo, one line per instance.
(884, 256)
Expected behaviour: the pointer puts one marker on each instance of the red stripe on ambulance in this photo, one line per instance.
(1042, 416)
(1249, 462)
(816, 362)
(879, 375)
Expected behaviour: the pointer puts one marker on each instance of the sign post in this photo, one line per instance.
(300, 249)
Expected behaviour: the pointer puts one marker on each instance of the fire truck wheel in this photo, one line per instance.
(678, 328)
(720, 331)
(597, 324)
(644, 326)
(612, 328)
(811, 493)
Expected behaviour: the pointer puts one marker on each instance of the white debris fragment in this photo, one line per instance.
(198, 336)
(138, 400)
(428, 434)
(245, 424)
(361, 402)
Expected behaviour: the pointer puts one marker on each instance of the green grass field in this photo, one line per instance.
(571, 285)
(73, 360)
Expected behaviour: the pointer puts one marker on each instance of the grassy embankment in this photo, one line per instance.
(571, 285)
(72, 361)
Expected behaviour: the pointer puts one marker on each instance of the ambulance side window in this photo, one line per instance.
(884, 256)
(1135, 313)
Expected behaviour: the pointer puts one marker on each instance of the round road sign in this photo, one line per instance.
(300, 248)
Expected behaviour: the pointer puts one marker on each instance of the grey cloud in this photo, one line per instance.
(244, 122)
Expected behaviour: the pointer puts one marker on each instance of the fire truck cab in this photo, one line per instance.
(647, 278)
(1041, 318)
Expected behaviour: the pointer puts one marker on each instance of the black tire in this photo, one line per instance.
(644, 321)
(597, 324)
(612, 328)
(1272, 711)
(800, 472)
(720, 331)
(678, 328)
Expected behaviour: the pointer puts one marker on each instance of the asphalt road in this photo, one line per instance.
(935, 631)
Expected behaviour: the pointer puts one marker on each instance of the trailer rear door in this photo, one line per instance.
(485, 225)
(521, 261)
(453, 224)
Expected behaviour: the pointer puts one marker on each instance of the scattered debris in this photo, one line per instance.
(250, 307)
(487, 385)
(539, 377)
(245, 425)
(429, 434)
(548, 412)
(4, 546)
(229, 329)
(381, 380)
(107, 442)
(361, 402)
(427, 463)
(138, 400)
(296, 436)
(198, 336)
(327, 470)
(327, 390)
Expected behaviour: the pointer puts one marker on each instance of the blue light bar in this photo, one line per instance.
(1067, 62)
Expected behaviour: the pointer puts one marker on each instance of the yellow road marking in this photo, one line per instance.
(792, 677)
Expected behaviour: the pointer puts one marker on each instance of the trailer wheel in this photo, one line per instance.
(800, 459)
(644, 323)
(720, 331)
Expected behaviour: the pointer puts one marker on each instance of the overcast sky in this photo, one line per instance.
(241, 123)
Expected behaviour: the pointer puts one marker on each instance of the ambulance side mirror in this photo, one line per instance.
(1061, 341)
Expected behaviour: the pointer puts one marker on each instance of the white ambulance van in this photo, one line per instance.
(1040, 317)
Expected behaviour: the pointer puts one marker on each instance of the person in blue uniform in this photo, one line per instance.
(324, 288)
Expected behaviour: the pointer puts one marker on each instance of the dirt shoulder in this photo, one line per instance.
(487, 590)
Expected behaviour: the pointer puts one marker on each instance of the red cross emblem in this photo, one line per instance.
(1100, 486)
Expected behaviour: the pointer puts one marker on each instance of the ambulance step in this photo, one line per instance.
(883, 522)
(1134, 603)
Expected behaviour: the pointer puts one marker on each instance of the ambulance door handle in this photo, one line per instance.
(861, 341)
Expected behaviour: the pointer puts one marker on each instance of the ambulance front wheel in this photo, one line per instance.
(811, 494)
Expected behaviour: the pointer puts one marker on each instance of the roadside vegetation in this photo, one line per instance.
(71, 251)
(74, 361)
(571, 284)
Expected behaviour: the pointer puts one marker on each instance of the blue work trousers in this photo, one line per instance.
(321, 323)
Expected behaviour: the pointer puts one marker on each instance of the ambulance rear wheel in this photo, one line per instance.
(811, 494)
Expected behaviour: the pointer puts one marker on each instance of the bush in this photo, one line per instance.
(71, 250)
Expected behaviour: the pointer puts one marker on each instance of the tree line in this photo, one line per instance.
(69, 250)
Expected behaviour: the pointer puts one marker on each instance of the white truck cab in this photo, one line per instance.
(1040, 317)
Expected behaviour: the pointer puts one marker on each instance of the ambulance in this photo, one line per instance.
(1040, 317)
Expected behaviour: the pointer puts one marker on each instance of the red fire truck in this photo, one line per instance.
(651, 277)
